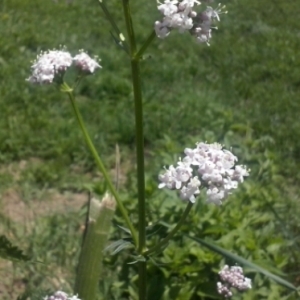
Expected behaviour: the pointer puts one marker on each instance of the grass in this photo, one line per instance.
(242, 91)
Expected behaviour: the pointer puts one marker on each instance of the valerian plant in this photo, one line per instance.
(207, 167)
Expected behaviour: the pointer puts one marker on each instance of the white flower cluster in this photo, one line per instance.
(181, 15)
(232, 277)
(59, 295)
(215, 169)
(54, 63)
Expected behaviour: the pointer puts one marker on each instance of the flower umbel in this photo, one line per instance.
(48, 65)
(207, 165)
(232, 277)
(181, 15)
(51, 66)
(59, 295)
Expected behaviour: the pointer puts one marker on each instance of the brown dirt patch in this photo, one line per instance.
(17, 210)
(20, 214)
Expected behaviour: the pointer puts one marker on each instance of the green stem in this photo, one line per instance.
(129, 27)
(172, 232)
(142, 280)
(140, 153)
(101, 167)
(139, 124)
(138, 105)
(113, 24)
(146, 44)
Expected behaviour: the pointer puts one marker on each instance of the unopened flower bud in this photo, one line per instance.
(232, 277)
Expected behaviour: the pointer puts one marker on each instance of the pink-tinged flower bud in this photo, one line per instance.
(232, 277)
(85, 63)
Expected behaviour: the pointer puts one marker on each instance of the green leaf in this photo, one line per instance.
(10, 252)
(154, 232)
(125, 229)
(243, 261)
(156, 286)
(34, 294)
(138, 258)
(117, 246)
(63, 87)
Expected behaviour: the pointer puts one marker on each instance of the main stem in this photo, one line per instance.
(139, 136)
(140, 152)
(140, 174)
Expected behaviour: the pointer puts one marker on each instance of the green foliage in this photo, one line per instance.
(54, 241)
(35, 294)
(11, 252)
(243, 262)
(242, 91)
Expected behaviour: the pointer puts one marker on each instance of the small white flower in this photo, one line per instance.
(175, 177)
(215, 195)
(191, 190)
(183, 171)
(186, 24)
(168, 179)
(214, 13)
(224, 290)
(203, 36)
(245, 284)
(161, 29)
(204, 21)
(239, 173)
(187, 5)
(168, 8)
(230, 184)
(59, 295)
(73, 298)
(85, 63)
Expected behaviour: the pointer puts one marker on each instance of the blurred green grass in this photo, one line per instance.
(242, 91)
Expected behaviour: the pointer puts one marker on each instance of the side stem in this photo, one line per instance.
(146, 44)
(101, 167)
(164, 241)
